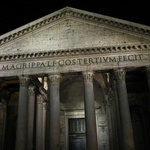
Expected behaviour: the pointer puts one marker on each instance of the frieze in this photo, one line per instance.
(77, 63)
(71, 62)
(70, 12)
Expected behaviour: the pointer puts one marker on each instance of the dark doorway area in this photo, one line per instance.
(77, 138)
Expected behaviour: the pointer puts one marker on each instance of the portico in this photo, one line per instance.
(87, 100)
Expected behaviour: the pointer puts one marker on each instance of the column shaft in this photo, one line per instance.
(39, 123)
(31, 117)
(116, 133)
(90, 118)
(54, 110)
(44, 124)
(127, 141)
(147, 70)
(110, 129)
(117, 113)
(21, 136)
(3, 109)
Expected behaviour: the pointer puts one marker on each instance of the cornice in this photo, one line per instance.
(76, 52)
(85, 15)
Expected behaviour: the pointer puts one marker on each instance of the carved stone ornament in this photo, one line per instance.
(40, 99)
(88, 75)
(44, 105)
(120, 73)
(103, 127)
(54, 78)
(113, 82)
(110, 97)
(103, 109)
(24, 80)
(31, 90)
(77, 51)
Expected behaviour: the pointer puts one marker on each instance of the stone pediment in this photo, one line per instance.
(71, 28)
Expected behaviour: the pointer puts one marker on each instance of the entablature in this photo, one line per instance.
(77, 52)
(77, 60)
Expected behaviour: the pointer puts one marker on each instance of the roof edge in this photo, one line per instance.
(70, 11)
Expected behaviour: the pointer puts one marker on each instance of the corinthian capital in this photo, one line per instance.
(88, 75)
(54, 78)
(31, 90)
(120, 73)
(24, 80)
(44, 105)
(40, 99)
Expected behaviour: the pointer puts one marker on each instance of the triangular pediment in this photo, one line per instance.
(71, 28)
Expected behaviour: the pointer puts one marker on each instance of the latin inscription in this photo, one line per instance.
(71, 62)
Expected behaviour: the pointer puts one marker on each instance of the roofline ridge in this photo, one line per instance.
(114, 22)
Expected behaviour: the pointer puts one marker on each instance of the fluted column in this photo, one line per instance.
(147, 70)
(90, 118)
(39, 123)
(31, 116)
(21, 136)
(54, 110)
(127, 141)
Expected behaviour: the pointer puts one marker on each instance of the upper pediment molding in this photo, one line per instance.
(77, 52)
(76, 13)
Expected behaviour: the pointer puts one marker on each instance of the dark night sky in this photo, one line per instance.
(15, 14)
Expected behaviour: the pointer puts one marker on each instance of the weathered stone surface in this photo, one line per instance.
(72, 41)
(69, 34)
(73, 63)
(55, 42)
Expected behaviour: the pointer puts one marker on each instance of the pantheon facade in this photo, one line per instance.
(75, 80)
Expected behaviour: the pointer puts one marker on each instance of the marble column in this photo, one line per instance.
(90, 118)
(147, 70)
(117, 113)
(44, 122)
(127, 141)
(21, 136)
(54, 111)
(111, 120)
(113, 105)
(111, 143)
(31, 116)
(39, 123)
(3, 109)
(47, 130)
